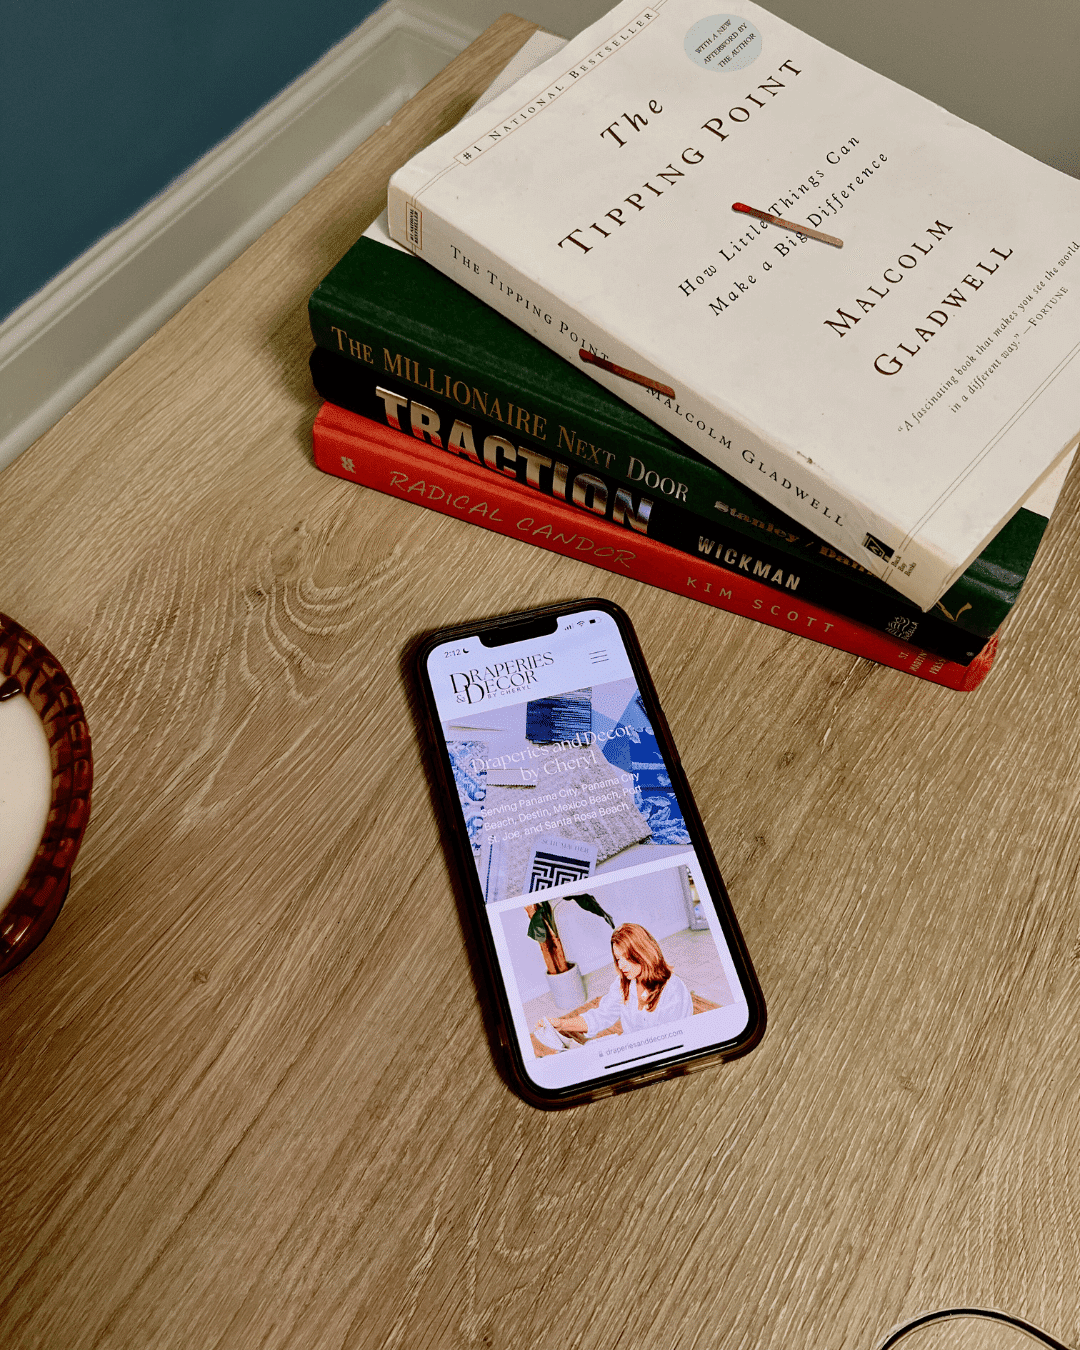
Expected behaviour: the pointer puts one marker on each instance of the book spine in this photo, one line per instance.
(360, 450)
(792, 484)
(371, 341)
(367, 338)
(482, 447)
(374, 338)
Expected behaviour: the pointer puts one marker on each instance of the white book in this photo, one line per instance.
(901, 395)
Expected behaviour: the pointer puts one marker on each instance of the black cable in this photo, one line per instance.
(991, 1315)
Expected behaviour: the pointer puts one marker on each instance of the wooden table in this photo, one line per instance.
(247, 1095)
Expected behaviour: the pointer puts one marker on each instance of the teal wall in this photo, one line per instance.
(103, 104)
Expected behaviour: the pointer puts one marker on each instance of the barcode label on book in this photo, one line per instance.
(414, 225)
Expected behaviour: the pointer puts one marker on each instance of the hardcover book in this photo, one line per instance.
(787, 562)
(356, 448)
(382, 317)
(900, 395)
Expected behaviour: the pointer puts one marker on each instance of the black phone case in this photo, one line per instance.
(450, 813)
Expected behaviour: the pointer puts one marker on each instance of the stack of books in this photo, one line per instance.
(589, 409)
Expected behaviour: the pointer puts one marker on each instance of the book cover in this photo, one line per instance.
(899, 396)
(782, 561)
(360, 450)
(387, 316)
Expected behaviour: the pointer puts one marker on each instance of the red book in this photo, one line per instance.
(354, 447)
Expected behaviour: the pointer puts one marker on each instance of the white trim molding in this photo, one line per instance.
(57, 345)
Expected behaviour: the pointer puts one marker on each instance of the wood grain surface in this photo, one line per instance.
(247, 1098)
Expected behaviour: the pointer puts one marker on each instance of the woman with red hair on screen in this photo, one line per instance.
(645, 994)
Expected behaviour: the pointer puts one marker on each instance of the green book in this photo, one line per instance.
(390, 313)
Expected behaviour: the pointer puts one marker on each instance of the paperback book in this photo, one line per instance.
(360, 450)
(899, 395)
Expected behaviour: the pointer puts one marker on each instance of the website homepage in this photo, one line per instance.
(608, 940)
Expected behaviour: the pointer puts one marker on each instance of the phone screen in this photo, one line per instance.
(608, 936)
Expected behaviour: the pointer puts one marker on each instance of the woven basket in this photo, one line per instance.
(32, 910)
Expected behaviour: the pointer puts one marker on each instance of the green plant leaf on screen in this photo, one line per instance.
(542, 922)
(588, 903)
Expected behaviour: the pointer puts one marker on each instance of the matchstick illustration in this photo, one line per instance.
(788, 224)
(613, 369)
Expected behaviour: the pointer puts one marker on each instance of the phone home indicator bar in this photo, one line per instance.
(667, 1050)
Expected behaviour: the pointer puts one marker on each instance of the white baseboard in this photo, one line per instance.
(57, 345)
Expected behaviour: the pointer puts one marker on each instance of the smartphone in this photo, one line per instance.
(606, 934)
